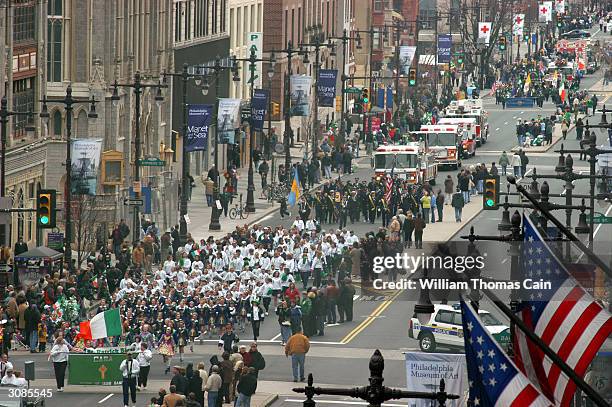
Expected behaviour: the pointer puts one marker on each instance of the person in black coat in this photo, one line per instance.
(20, 247)
(195, 386)
(32, 318)
(179, 381)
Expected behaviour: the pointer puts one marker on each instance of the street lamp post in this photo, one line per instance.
(68, 101)
(138, 87)
(252, 60)
(216, 70)
(317, 41)
(184, 77)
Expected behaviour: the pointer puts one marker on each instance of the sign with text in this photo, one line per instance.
(228, 119)
(444, 48)
(326, 87)
(199, 118)
(259, 106)
(101, 369)
(255, 43)
(424, 371)
(300, 95)
(85, 166)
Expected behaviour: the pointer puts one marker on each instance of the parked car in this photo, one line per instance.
(445, 328)
(576, 34)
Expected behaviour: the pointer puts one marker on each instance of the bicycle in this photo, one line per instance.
(238, 210)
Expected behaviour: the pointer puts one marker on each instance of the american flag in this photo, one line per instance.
(494, 380)
(569, 321)
(388, 188)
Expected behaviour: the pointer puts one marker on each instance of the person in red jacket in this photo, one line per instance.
(292, 293)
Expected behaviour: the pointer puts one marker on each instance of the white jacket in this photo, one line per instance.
(516, 161)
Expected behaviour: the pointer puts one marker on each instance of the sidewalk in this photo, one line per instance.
(200, 213)
(448, 228)
(557, 134)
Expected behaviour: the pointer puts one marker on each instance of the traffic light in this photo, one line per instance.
(412, 77)
(365, 96)
(490, 196)
(45, 208)
(275, 108)
(559, 23)
(460, 59)
(526, 37)
(502, 43)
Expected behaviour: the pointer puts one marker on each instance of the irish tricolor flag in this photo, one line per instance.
(103, 325)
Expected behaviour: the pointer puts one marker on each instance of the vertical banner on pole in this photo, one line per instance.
(259, 105)
(255, 42)
(390, 97)
(199, 118)
(326, 87)
(380, 98)
(85, 166)
(228, 119)
(406, 55)
(444, 48)
(300, 95)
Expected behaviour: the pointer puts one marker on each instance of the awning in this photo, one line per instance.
(427, 59)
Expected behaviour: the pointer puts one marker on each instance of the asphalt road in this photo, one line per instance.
(340, 357)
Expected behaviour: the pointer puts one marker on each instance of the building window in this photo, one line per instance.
(57, 124)
(223, 15)
(55, 28)
(23, 101)
(286, 26)
(23, 24)
(215, 10)
(379, 5)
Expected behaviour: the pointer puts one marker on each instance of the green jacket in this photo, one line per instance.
(503, 160)
(306, 306)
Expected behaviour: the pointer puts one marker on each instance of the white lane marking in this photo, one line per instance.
(355, 297)
(505, 122)
(344, 402)
(522, 112)
(277, 341)
(497, 129)
(266, 217)
(276, 337)
(504, 260)
(105, 398)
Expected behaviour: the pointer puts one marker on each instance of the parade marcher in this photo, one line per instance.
(144, 362)
(59, 357)
(130, 369)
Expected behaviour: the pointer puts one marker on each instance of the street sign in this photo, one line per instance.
(352, 90)
(601, 219)
(503, 338)
(279, 148)
(152, 162)
(55, 241)
(133, 202)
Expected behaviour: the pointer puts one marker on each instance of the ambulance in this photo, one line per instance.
(471, 108)
(442, 142)
(410, 162)
(467, 130)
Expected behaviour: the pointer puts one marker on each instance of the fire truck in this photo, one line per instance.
(471, 108)
(410, 162)
(467, 131)
(442, 142)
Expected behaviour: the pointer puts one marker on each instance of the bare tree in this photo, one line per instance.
(498, 13)
(87, 217)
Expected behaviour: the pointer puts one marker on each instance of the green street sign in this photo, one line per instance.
(601, 219)
(503, 338)
(152, 162)
(352, 90)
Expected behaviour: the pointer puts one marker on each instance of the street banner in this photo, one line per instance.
(390, 98)
(326, 87)
(228, 119)
(255, 42)
(259, 106)
(95, 369)
(560, 6)
(85, 166)
(518, 24)
(484, 32)
(199, 119)
(444, 48)
(300, 95)
(380, 98)
(424, 371)
(406, 55)
(545, 11)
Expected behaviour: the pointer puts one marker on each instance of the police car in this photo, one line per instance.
(444, 327)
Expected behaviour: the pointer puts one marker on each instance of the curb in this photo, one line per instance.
(467, 220)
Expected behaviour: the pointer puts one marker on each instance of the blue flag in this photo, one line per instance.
(380, 98)
(389, 98)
